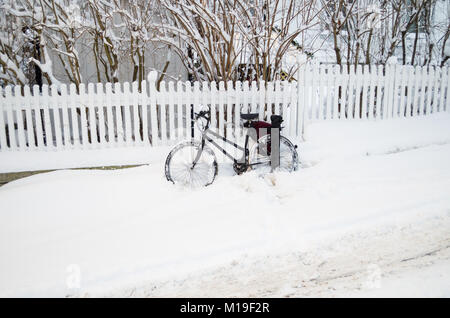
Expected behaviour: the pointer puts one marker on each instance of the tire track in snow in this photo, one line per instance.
(334, 268)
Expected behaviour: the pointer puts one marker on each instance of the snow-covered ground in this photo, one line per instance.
(367, 215)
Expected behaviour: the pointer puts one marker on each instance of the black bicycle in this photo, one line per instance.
(193, 163)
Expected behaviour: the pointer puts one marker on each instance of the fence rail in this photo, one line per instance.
(109, 115)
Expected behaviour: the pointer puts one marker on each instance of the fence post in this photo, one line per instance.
(152, 76)
(3, 143)
(447, 73)
(144, 103)
(300, 95)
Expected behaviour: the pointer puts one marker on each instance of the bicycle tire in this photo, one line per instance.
(179, 162)
(260, 157)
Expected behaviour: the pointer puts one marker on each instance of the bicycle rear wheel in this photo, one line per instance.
(260, 155)
(180, 168)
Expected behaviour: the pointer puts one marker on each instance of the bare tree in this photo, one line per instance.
(235, 39)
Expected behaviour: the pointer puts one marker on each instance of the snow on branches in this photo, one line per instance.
(114, 40)
(237, 39)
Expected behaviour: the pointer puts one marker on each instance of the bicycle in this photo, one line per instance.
(194, 163)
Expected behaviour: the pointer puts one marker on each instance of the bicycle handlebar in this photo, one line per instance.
(206, 114)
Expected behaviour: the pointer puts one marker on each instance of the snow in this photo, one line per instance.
(339, 139)
(447, 49)
(433, 281)
(392, 60)
(63, 159)
(126, 228)
(335, 139)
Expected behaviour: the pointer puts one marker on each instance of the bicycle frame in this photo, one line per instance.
(210, 140)
(244, 160)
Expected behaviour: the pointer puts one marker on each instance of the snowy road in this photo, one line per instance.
(395, 261)
(370, 208)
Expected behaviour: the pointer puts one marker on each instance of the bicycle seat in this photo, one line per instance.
(249, 116)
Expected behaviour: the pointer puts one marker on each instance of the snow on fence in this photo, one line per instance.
(122, 115)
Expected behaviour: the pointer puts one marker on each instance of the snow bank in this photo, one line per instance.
(342, 139)
(324, 140)
(49, 160)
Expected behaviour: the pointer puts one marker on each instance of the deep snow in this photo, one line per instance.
(125, 228)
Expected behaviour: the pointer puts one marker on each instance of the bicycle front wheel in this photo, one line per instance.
(180, 167)
(261, 151)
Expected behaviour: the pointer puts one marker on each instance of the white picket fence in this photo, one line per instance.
(115, 115)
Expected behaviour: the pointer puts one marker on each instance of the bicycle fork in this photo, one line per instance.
(199, 153)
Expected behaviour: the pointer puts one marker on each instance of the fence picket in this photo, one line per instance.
(118, 100)
(221, 108)
(409, 91)
(429, 90)
(73, 102)
(237, 109)
(153, 98)
(300, 89)
(351, 92)
(245, 98)
(388, 95)
(318, 92)
(188, 99)
(13, 145)
(144, 112)
(110, 122)
(270, 99)
(344, 99)
(162, 113)
(126, 110)
(363, 102)
(91, 119)
(444, 99)
(29, 118)
(136, 121)
(181, 132)
(46, 100)
(359, 78)
(284, 100)
(197, 99)
(395, 92)
(335, 92)
(3, 142)
(403, 86)
(100, 101)
(371, 92)
(277, 98)
(417, 81)
(229, 97)
(56, 103)
(308, 86)
(213, 103)
(441, 103)
(36, 100)
(435, 85)
(331, 79)
(422, 91)
(65, 125)
(205, 98)
(84, 109)
(447, 107)
(171, 105)
(291, 110)
(254, 98)
(18, 109)
(262, 99)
